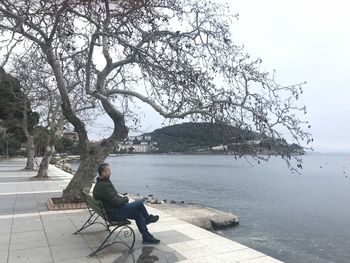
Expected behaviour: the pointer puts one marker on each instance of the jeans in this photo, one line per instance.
(136, 211)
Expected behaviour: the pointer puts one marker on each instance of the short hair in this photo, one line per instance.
(101, 167)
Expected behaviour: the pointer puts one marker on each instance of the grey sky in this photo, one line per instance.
(304, 40)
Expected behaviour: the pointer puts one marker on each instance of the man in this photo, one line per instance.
(118, 206)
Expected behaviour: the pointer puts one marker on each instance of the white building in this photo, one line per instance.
(138, 144)
(141, 148)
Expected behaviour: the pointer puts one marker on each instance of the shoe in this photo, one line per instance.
(150, 240)
(152, 219)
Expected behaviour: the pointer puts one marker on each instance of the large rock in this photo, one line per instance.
(205, 217)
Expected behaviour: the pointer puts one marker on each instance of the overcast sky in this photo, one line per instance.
(303, 40)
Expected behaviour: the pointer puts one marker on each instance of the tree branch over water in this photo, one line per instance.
(177, 56)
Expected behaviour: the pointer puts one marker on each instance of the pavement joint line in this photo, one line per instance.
(47, 239)
(35, 182)
(19, 215)
(9, 247)
(44, 213)
(32, 192)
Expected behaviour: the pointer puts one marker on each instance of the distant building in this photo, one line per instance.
(138, 144)
(139, 148)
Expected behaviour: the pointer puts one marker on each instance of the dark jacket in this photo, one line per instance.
(105, 192)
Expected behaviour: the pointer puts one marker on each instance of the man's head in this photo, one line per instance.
(104, 170)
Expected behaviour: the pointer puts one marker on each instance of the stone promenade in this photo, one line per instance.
(30, 233)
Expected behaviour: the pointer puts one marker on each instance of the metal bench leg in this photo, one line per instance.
(88, 223)
(129, 232)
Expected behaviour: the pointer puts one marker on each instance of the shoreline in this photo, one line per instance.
(197, 214)
(50, 232)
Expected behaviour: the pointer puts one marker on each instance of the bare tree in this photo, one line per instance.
(18, 112)
(25, 84)
(55, 121)
(37, 81)
(176, 56)
(30, 141)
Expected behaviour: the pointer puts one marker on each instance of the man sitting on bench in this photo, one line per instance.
(118, 206)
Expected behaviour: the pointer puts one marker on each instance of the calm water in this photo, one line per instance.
(295, 218)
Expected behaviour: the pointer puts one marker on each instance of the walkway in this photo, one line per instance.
(29, 233)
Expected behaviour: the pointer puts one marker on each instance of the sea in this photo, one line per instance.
(294, 217)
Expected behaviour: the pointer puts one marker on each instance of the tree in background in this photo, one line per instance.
(66, 145)
(36, 80)
(17, 114)
(176, 56)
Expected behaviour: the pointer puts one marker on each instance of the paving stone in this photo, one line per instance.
(245, 254)
(264, 259)
(196, 252)
(59, 238)
(7, 209)
(159, 227)
(24, 187)
(23, 237)
(5, 226)
(143, 254)
(4, 250)
(5, 239)
(69, 251)
(42, 255)
(171, 237)
(80, 260)
(26, 225)
(26, 240)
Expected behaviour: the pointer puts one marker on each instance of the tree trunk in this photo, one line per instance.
(30, 154)
(91, 154)
(87, 171)
(30, 139)
(44, 164)
(49, 149)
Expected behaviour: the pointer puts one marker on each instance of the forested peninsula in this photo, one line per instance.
(217, 138)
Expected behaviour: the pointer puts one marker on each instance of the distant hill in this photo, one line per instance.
(202, 137)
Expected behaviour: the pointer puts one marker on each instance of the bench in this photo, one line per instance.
(121, 229)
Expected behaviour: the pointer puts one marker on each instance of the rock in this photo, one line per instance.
(149, 200)
(63, 165)
(138, 197)
(154, 201)
(205, 217)
(67, 167)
